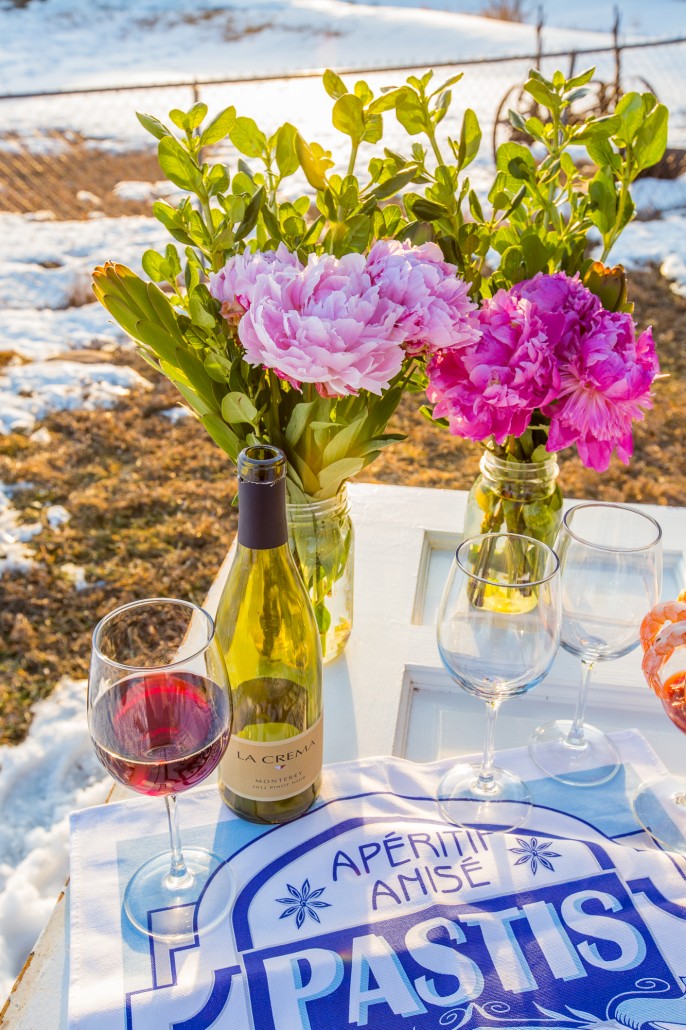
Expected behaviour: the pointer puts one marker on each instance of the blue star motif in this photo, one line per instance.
(303, 902)
(532, 851)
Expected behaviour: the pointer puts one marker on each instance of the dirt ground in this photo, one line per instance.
(150, 501)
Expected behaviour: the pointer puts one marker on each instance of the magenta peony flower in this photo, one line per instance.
(438, 313)
(605, 385)
(326, 324)
(564, 305)
(493, 386)
(235, 283)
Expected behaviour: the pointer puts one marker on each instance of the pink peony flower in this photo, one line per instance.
(492, 386)
(326, 324)
(605, 385)
(438, 313)
(235, 283)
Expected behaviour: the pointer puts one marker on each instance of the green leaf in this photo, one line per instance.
(631, 112)
(651, 138)
(297, 423)
(411, 113)
(598, 129)
(154, 266)
(362, 90)
(541, 92)
(251, 213)
(450, 82)
(237, 408)
(342, 442)
(286, 157)
(196, 114)
(159, 340)
(475, 207)
(396, 183)
(603, 198)
(348, 116)
(201, 308)
(374, 128)
(332, 477)
(386, 102)
(153, 125)
(334, 85)
(217, 180)
(248, 138)
(470, 139)
(162, 307)
(516, 161)
(219, 128)
(178, 166)
(222, 435)
(180, 119)
(314, 161)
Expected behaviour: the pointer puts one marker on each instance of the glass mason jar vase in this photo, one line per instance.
(321, 537)
(512, 496)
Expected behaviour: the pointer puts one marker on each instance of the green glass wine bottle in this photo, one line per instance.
(268, 633)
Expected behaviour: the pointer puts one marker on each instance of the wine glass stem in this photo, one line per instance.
(177, 871)
(486, 780)
(575, 737)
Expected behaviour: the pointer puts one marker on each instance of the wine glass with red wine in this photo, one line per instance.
(660, 803)
(159, 716)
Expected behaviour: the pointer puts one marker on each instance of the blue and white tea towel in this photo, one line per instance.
(372, 911)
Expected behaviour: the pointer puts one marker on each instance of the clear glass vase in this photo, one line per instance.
(321, 538)
(511, 496)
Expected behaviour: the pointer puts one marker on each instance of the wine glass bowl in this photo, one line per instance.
(498, 631)
(159, 716)
(611, 568)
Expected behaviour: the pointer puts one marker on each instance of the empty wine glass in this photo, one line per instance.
(660, 803)
(159, 716)
(498, 633)
(611, 571)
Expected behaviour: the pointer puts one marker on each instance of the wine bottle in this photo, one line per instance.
(267, 631)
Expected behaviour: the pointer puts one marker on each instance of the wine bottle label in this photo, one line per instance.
(275, 770)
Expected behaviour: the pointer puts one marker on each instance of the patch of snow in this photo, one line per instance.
(41, 334)
(57, 516)
(652, 196)
(76, 574)
(177, 414)
(42, 436)
(52, 773)
(30, 392)
(661, 242)
(134, 190)
(15, 556)
(86, 197)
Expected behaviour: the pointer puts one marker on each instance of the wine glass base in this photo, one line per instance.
(461, 801)
(166, 908)
(587, 763)
(660, 807)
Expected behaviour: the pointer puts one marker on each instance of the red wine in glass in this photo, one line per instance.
(159, 715)
(160, 733)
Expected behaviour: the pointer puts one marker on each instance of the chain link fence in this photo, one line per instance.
(82, 153)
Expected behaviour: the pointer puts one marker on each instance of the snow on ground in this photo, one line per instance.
(45, 265)
(52, 773)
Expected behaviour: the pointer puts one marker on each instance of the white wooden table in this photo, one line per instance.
(388, 694)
